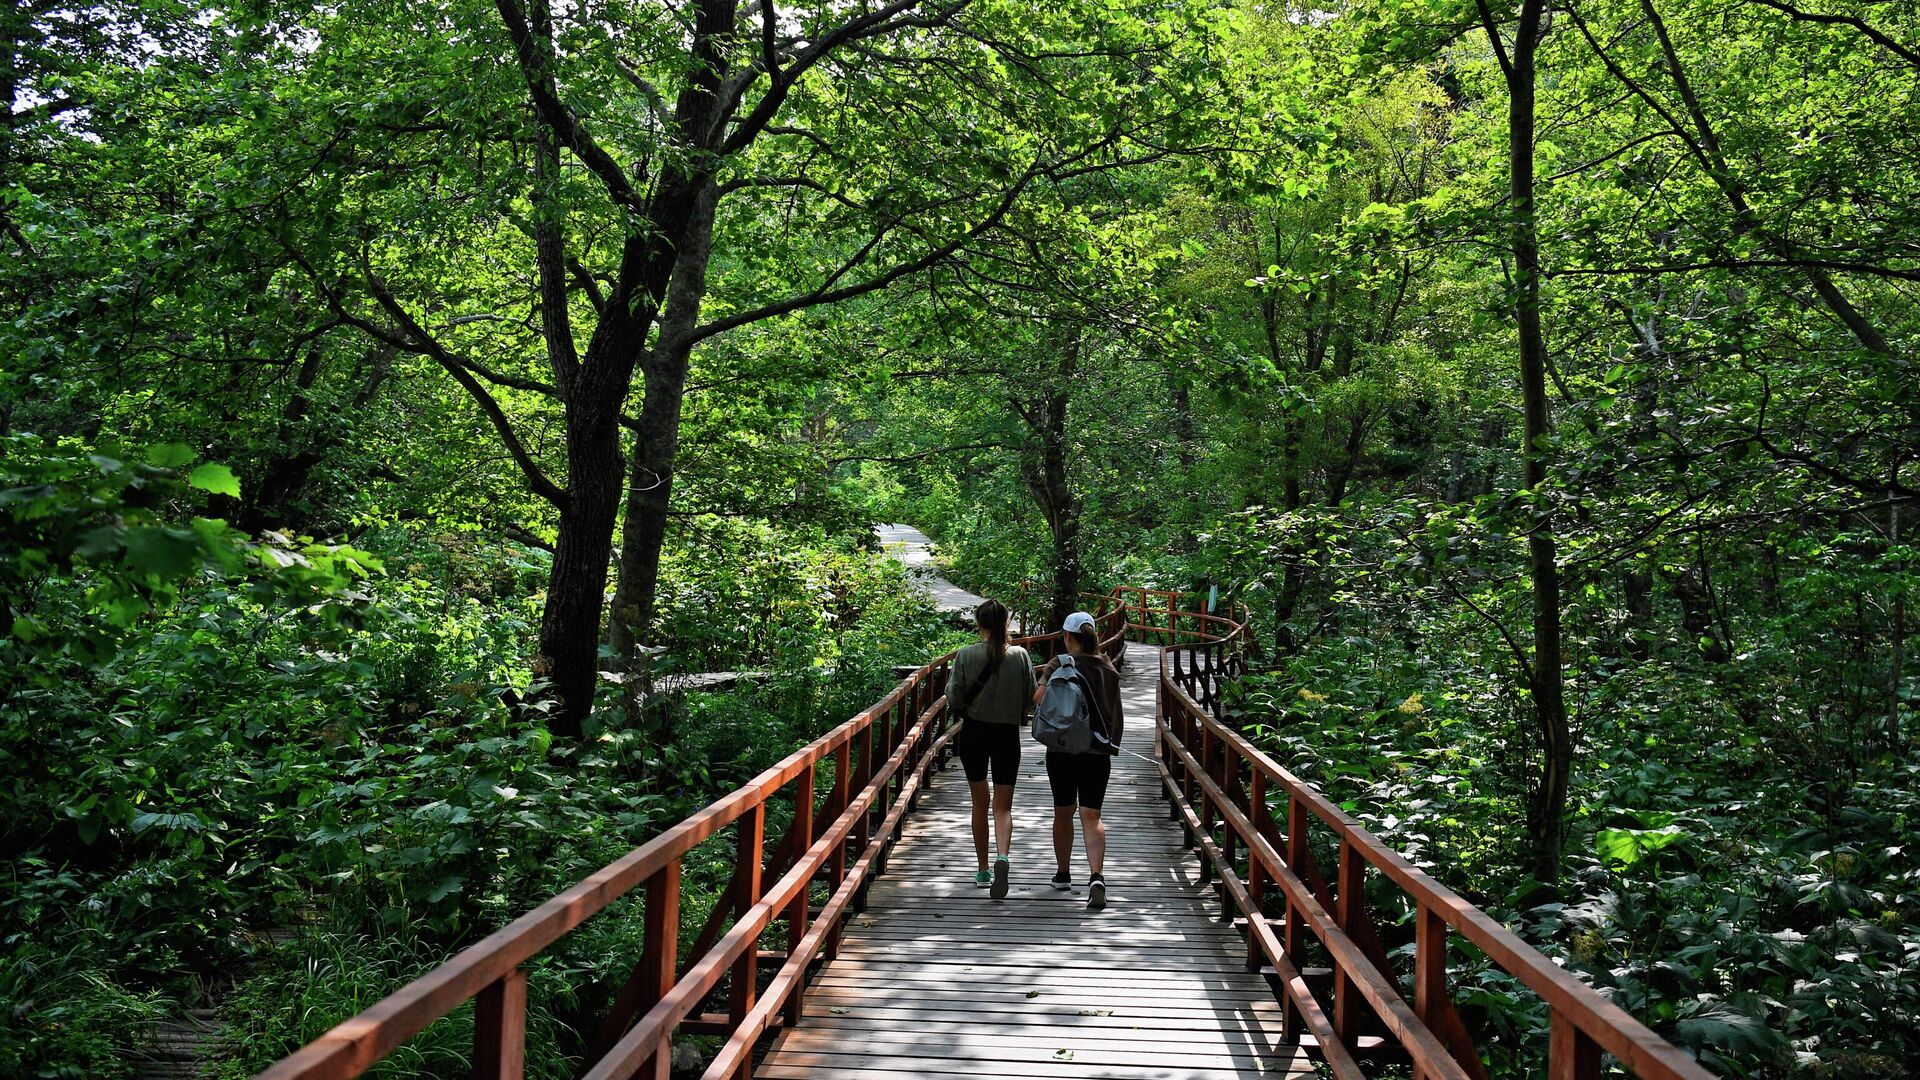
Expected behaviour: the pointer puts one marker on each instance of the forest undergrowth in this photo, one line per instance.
(247, 808)
(1740, 875)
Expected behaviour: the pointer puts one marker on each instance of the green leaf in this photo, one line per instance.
(170, 455)
(215, 478)
(1621, 848)
(167, 554)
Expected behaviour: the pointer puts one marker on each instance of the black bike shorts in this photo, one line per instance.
(998, 745)
(1079, 778)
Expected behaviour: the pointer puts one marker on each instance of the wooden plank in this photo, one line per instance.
(1073, 960)
(1021, 992)
(1008, 1047)
(1100, 1030)
(1226, 1016)
(935, 978)
(789, 1063)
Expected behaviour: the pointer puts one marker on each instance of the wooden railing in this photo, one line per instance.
(1220, 788)
(1223, 790)
(1154, 616)
(878, 762)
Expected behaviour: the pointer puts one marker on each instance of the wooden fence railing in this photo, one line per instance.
(878, 763)
(1220, 788)
(1224, 791)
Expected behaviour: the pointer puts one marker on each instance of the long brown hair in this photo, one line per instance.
(991, 616)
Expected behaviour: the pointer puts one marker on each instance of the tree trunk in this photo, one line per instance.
(1637, 586)
(650, 487)
(1046, 476)
(301, 445)
(1896, 673)
(1547, 799)
(576, 586)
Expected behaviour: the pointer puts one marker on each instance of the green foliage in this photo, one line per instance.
(113, 526)
(235, 771)
(1178, 295)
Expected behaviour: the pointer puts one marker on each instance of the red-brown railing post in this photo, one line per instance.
(500, 1028)
(1351, 897)
(749, 855)
(1256, 870)
(1296, 922)
(659, 959)
(1429, 970)
(1571, 1054)
(798, 911)
(837, 867)
(1207, 744)
(862, 778)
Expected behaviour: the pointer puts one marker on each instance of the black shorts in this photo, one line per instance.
(981, 744)
(1079, 778)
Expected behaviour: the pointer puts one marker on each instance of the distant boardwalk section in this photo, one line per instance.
(914, 550)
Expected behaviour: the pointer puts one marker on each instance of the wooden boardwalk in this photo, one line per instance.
(937, 979)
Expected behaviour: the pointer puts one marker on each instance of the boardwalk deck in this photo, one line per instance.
(937, 979)
(913, 550)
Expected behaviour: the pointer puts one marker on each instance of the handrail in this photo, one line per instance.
(1143, 613)
(909, 724)
(1219, 782)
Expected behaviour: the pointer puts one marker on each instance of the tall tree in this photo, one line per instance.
(1547, 803)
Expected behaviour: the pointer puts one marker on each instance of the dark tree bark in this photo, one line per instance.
(1547, 795)
(1896, 670)
(1045, 471)
(1637, 589)
(594, 388)
(657, 443)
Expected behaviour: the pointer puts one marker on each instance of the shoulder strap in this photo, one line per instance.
(1093, 709)
(980, 682)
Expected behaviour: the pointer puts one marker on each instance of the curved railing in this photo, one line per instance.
(1221, 788)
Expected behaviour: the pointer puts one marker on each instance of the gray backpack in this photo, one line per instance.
(1063, 720)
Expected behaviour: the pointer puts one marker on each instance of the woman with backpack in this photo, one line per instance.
(1079, 779)
(987, 689)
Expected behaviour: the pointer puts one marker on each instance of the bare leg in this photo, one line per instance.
(1063, 838)
(1002, 823)
(1095, 831)
(979, 792)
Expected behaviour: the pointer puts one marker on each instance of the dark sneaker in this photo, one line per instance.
(1063, 881)
(1096, 893)
(1000, 871)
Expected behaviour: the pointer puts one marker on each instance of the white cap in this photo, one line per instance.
(1077, 622)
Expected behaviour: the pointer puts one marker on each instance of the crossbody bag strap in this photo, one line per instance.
(979, 683)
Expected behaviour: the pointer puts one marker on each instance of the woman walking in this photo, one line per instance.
(987, 690)
(1079, 781)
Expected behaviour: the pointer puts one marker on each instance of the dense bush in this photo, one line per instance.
(233, 801)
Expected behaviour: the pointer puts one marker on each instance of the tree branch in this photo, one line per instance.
(424, 343)
(555, 114)
(1878, 37)
(1869, 269)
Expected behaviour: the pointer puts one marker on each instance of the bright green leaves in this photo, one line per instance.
(170, 455)
(1621, 848)
(126, 534)
(215, 478)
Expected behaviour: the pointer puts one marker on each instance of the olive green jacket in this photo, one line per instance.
(1007, 696)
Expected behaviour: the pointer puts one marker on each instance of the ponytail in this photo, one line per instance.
(991, 616)
(1088, 638)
